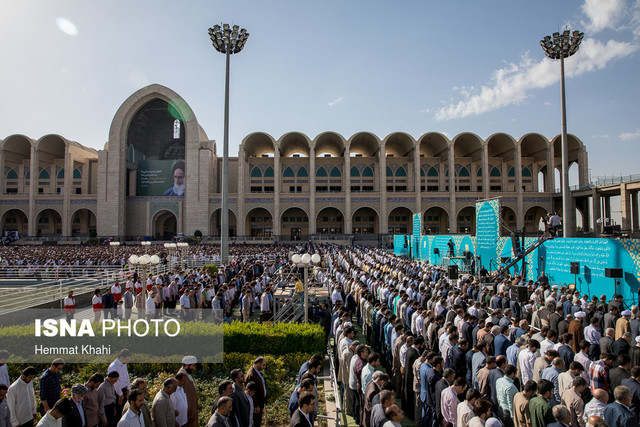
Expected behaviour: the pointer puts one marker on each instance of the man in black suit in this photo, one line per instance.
(241, 405)
(77, 417)
(633, 382)
(606, 342)
(616, 375)
(622, 344)
(618, 414)
(413, 354)
(372, 390)
(447, 379)
(302, 416)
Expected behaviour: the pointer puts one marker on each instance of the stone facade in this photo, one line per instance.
(291, 187)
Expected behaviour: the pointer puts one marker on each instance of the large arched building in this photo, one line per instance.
(159, 174)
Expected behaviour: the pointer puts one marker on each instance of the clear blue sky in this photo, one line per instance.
(339, 65)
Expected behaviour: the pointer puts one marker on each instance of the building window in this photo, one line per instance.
(176, 129)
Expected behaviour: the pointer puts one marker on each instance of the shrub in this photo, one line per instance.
(213, 269)
(276, 339)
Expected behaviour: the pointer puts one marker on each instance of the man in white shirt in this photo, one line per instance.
(21, 398)
(150, 306)
(185, 306)
(465, 408)
(53, 417)
(70, 306)
(121, 387)
(526, 360)
(133, 417)
(265, 305)
(179, 400)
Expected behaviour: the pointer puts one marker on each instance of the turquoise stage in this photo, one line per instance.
(553, 257)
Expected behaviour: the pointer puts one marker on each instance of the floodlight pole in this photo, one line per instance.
(224, 226)
(227, 40)
(562, 46)
(568, 224)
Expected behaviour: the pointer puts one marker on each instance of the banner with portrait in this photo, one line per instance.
(160, 178)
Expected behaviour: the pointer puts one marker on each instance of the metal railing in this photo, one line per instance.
(54, 272)
(334, 384)
(601, 181)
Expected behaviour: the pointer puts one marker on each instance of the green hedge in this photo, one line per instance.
(254, 338)
(276, 339)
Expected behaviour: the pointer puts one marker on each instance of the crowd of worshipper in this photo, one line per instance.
(113, 399)
(237, 291)
(64, 258)
(462, 352)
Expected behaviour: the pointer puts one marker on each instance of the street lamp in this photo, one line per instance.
(561, 46)
(307, 261)
(145, 261)
(228, 41)
(171, 247)
(114, 245)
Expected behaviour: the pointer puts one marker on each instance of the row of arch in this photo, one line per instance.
(366, 220)
(45, 173)
(400, 144)
(49, 222)
(367, 171)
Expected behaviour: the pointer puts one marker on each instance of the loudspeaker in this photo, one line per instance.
(519, 293)
(575, 268)
(406, 241)
(614, 273)
(436, 251)
(453, 272)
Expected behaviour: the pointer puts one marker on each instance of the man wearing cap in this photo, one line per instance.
(188, 366)
(77, 417)
(50, 386)
(622, 324)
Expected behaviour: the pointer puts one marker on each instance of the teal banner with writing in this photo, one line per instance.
(487, 229)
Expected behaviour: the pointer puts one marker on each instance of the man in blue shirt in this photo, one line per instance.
(50, 386)
(501, 342)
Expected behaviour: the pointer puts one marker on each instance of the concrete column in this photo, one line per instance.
(347, 220)
(625, 205)
(485, 170)
(312, 191)
(21, 178)
(634, 211)
(519, 192)
(584, 167)
(241, 222)
(3, 174)
(550, 181)
(595, 215)
(417, 181)
(453, 213)
(607, 206)
(66, 197)
(276, 191)
(383, 221)
(35, 162)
